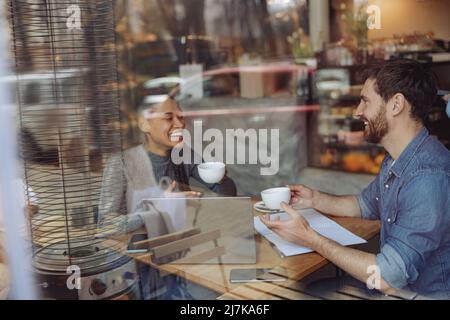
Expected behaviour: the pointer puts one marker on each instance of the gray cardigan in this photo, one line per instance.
(124, 179)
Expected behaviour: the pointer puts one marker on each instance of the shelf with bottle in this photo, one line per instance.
(348, 140)
(345, 146)
(355, 161)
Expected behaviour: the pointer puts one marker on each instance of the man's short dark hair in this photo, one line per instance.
(409, 78)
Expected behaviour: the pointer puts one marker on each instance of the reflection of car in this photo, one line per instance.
(270, 80)
(45, 117)
(156, 90)
(36, 87)
(264, 99)
(210, 85)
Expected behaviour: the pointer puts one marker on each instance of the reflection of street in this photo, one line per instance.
(48, 109)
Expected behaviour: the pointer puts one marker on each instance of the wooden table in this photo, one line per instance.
(216, 277)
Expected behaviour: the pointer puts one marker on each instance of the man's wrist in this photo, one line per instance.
(322, 245)
(315, 198)
(316, 240)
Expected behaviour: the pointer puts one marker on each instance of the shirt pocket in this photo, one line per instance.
(392, 207)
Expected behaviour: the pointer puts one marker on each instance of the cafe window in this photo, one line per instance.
(268, 88)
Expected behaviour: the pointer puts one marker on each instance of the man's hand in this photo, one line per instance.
(296, 230)
(340, 206)
(302, 197)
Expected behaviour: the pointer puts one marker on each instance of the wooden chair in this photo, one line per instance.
(344, 287)
(174, 247)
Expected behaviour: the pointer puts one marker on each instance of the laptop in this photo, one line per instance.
(221, 229)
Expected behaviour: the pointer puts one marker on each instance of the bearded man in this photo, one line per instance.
(410, 196)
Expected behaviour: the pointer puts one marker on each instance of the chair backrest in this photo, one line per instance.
(226, 222)
(175, 247)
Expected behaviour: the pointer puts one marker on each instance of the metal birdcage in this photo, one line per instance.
(69, 118)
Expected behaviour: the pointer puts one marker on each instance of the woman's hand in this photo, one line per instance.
(170, 193)
(30, 211)
(224, 176)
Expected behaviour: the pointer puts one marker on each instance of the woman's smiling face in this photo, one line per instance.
(163, 125)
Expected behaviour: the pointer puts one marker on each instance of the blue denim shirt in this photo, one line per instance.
(411, 198)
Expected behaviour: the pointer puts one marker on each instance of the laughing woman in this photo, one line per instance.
(144, 172)
(149, 167)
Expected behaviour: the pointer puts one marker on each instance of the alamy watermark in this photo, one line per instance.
(231, 149)
(73, 21)
(74, 280)
(374, 18)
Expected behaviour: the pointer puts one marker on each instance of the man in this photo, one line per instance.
(410, 196)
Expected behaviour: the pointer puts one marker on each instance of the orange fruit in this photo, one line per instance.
(379, 159)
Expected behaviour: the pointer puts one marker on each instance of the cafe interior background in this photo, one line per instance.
(74, 73)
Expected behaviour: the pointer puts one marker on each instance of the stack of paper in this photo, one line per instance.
(321, 224)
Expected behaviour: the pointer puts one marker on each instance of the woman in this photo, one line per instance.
(147, 169)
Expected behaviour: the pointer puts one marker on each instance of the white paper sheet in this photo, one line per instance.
(323, 225)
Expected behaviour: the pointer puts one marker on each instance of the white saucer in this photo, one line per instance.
(261, 207)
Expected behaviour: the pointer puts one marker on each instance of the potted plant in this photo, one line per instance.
(302, 48)
(356, 26)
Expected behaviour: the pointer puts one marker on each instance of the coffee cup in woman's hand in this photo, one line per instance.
(212, 172)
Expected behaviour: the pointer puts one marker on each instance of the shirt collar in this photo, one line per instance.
(406, 156)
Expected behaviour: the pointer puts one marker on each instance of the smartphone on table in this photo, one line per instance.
(256, 275)
(137, 248)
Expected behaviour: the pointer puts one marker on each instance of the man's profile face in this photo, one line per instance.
(372, 111)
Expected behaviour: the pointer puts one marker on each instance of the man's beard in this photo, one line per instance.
(377, 128)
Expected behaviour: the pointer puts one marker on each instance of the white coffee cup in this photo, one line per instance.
(273, 197)
(211, 172)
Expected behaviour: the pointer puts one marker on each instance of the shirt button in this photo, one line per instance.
(389, 220)
(387, 186)
(377, 198)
